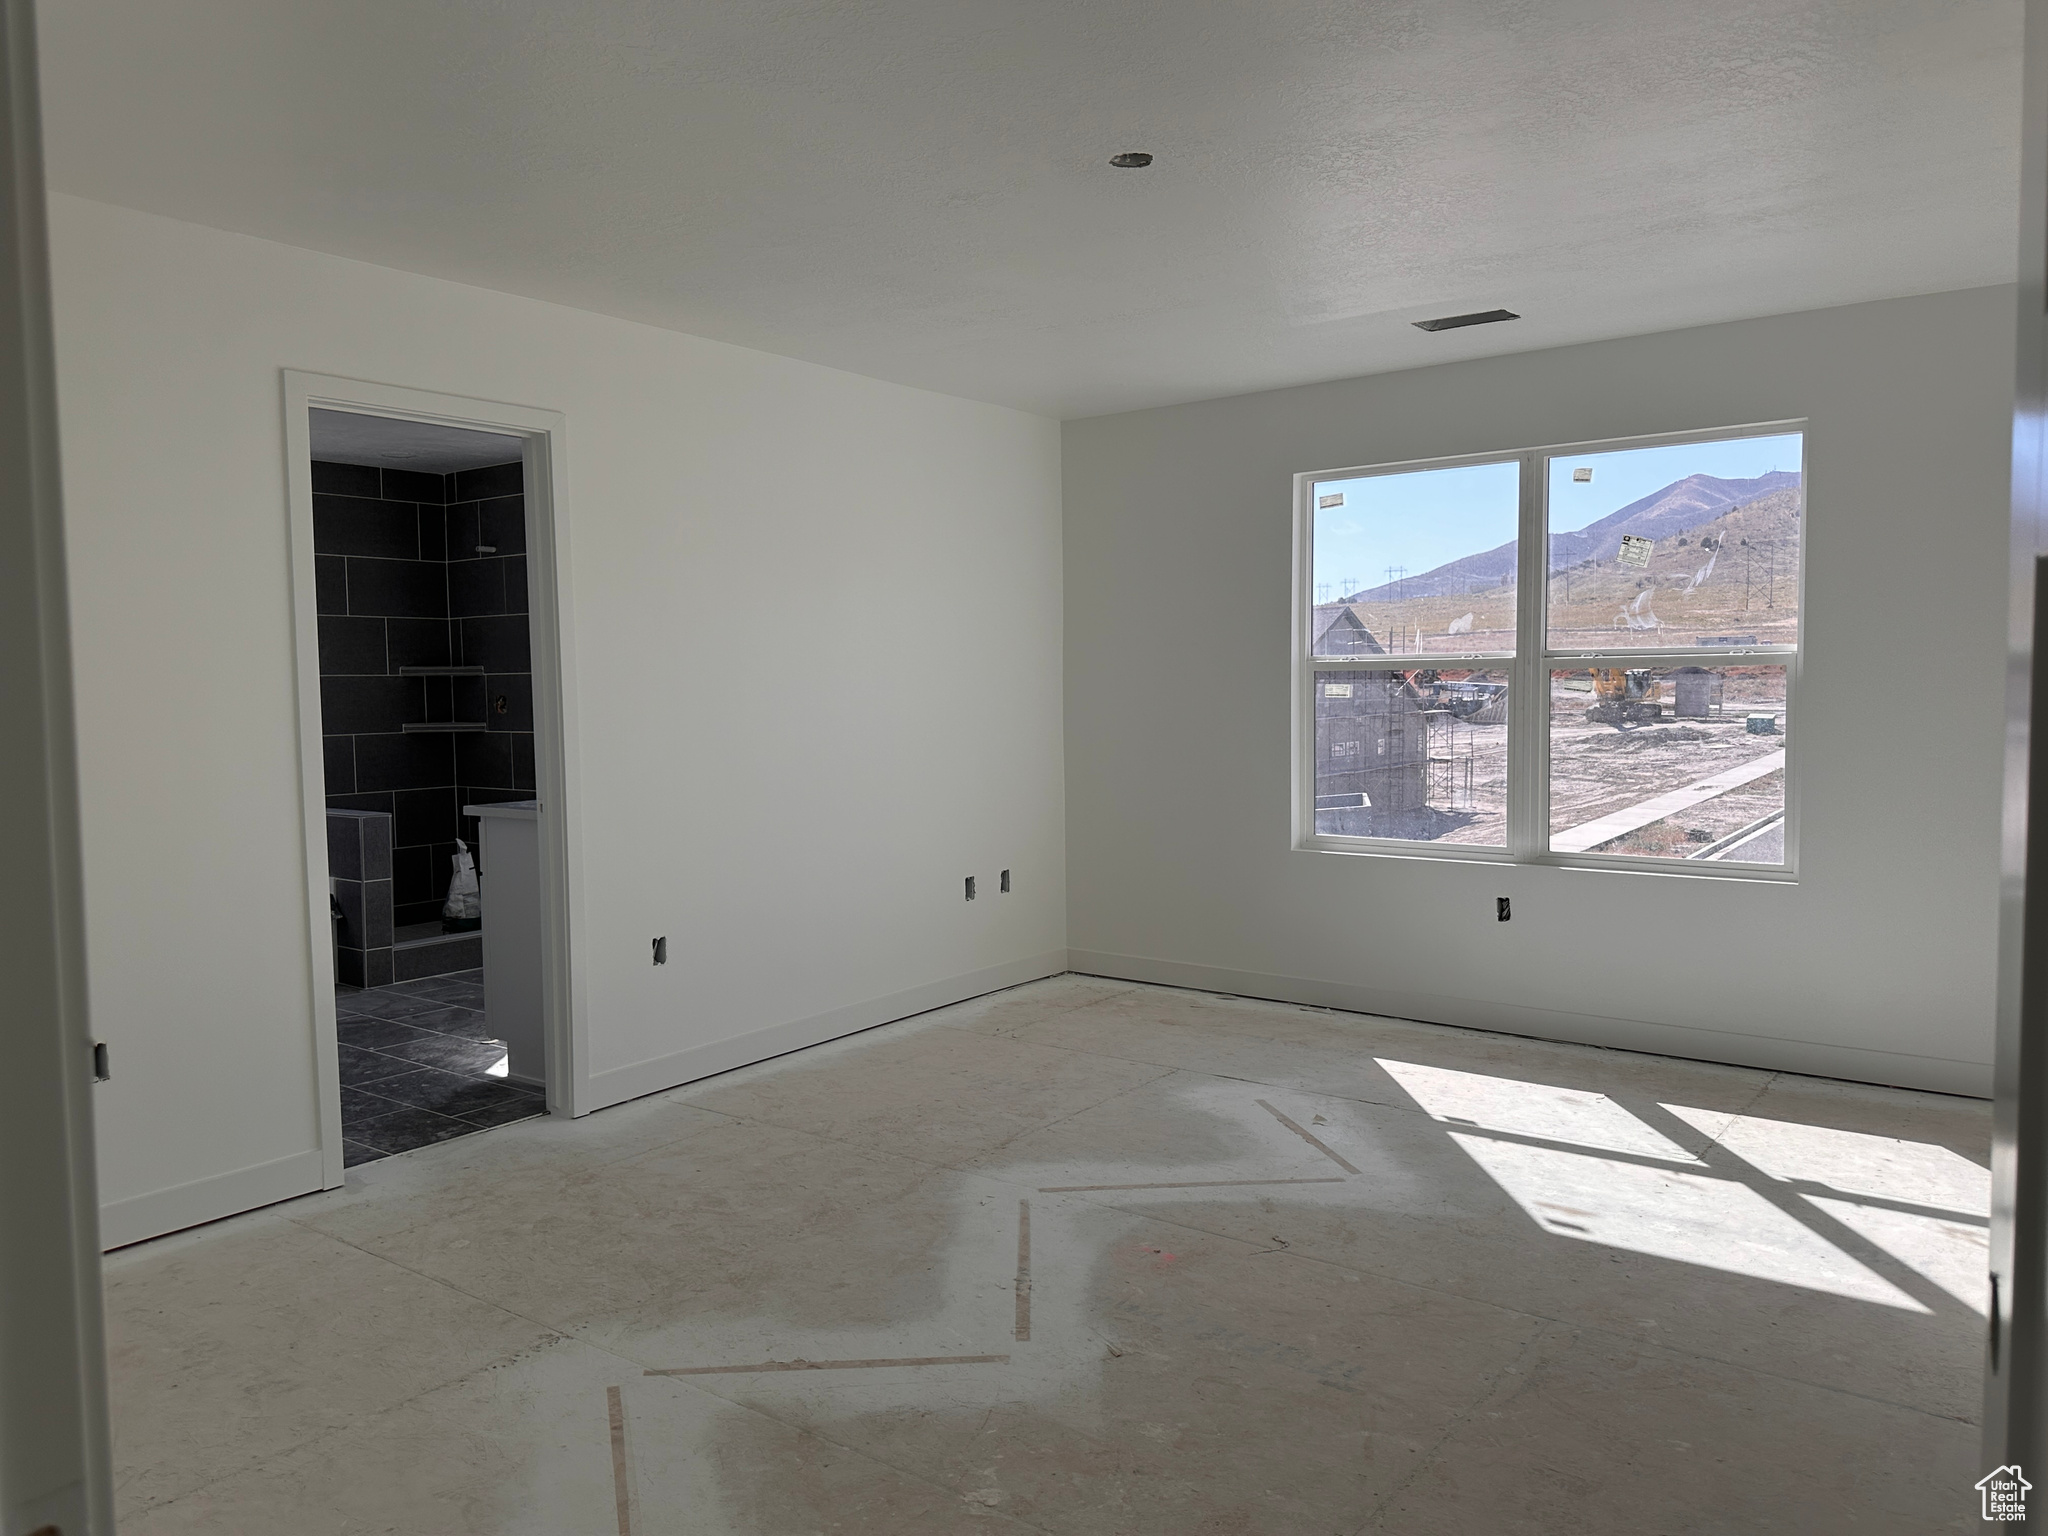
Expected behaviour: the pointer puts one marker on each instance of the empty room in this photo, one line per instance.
(1092, 770)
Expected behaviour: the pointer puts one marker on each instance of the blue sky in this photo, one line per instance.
(1417, 520)
(1427, 517)
(1633, 473)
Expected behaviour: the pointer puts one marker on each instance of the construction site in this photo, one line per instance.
(1680, 762)
(1675, 762)
(1672, 761)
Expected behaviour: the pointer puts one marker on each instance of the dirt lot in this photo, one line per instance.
(1598, 770)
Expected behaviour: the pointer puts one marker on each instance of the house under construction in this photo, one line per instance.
(1372, 736)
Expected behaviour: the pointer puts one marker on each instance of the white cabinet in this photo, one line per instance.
(510, 882)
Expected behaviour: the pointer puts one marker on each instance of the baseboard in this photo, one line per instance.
(1896, 1069)
(700, 1061)
(224, 1194)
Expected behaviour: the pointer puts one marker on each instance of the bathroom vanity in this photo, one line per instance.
(509, 839)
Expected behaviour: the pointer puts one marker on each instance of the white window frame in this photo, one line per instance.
(1528, 741)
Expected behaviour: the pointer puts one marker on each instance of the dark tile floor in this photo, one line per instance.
(416, 1064)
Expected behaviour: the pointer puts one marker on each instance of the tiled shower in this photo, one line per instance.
(426, 690)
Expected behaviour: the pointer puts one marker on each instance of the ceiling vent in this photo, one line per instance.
(1452, 322)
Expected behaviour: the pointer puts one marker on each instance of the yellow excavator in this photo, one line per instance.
(1623, 697)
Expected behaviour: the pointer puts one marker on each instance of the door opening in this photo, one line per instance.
(435, 898)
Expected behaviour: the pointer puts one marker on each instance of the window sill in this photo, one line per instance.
(1623, 864)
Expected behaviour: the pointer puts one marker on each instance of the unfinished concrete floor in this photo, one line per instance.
(1146, 1261)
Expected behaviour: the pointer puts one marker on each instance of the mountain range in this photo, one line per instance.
(1662, 514)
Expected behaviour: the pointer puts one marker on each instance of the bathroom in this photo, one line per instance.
(427, 734)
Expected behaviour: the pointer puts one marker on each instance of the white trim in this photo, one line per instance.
(700, 1061)
(1770, 1053)
(55, 1452)
(298, 472)
(1405, 662)
(140, 1217)
(1745, 655)
(548, 627)
(1528, 733)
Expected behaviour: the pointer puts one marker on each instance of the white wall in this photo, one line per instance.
(1877, 964)
(816, 669)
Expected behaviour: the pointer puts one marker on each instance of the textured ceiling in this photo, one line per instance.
(918, 189)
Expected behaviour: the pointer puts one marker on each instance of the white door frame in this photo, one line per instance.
(54, 1455)
(2016, 1334)
(554, 716)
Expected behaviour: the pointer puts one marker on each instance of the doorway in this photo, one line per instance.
(432, 733)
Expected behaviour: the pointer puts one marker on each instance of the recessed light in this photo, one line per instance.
(1452, 322)
(1130, 160)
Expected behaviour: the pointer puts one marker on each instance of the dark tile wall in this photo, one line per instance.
(422, 570)
(359, 868)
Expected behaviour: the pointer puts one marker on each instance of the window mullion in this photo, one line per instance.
(1404, 662)
(1706, 656)
(1527, 719)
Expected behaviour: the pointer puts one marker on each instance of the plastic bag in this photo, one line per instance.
(464, 904)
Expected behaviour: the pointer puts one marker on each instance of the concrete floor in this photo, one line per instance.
(1417, 1280)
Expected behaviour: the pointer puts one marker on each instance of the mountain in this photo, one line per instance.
(1677, 508)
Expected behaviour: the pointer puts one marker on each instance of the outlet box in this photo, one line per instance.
(1502, 912)
(1005, 886)
(661, 951)
(970, 887)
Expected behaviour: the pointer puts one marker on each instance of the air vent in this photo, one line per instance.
(1452, 322)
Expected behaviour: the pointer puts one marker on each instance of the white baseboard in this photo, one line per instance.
(701, 1061)
(224, 1194)
(1855, 1063)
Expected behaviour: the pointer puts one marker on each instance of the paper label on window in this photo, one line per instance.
(1334, 499)
(1634, 550)
(1336, 690)
(1583, 475)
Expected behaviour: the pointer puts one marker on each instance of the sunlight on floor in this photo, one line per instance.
(1739, 1213)
(1691, 1217)
(1531, 1109)
(1952, 1255)
(1849, 1162)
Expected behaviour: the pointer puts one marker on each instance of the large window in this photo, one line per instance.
(1566, 654)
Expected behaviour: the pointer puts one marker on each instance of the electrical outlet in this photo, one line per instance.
(1005, 886)
(661, 951)
(1502, 912)
(970, 887)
